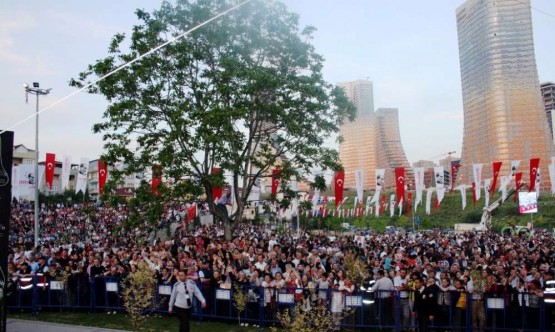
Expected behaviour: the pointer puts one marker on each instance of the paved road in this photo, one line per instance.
(20, 325)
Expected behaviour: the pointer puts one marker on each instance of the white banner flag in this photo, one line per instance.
(538, 182)
(400, 206)
(256, 188)
(41, 177)
(315, 200)
(66, 170)
(392, 205)
(505, 181)
(462, 189)
(438, 177)
(15, 182)
(514, 167)
(359, 183)
(26, 182)
(487, 185)
(82, 174)
(418, 184)
(552, 177)
(429, 200)
(477, 171)
(380, 174)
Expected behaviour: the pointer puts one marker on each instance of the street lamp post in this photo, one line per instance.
(37, 91)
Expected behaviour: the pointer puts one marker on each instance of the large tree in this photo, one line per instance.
(244, 93)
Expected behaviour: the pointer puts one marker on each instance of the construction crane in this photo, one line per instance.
(443, 155)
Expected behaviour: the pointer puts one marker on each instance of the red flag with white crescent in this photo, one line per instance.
(102, 176)
(276, 175)
(454, 171)
(400, 183)
(534, 165)
(191, 212)
(409, 203)
(382, 204)
(339, 180)
(216, 191)
(518, 180)
(496, 169)
(49, 167)
(156, 178)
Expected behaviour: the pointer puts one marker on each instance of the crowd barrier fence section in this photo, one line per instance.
(367, 309)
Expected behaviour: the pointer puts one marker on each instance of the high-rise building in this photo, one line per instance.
(503, 111)
(372, 141)
(548, 93)
(389, 149)
(357, 150)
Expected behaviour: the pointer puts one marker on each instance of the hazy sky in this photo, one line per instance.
(407, 48)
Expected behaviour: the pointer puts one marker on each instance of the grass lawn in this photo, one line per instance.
(121, 322)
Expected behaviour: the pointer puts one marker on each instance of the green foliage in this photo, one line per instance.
(315, 319)
(240, 300)
(240, 93)
(472, 217)
(138, 292)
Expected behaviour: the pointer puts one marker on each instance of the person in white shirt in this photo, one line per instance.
(182, 300)
(401, 284)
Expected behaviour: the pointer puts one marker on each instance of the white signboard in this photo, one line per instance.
(527, 202)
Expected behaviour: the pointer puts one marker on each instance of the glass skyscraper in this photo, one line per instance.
(504, 118)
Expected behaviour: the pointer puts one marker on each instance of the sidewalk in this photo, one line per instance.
(20, 325)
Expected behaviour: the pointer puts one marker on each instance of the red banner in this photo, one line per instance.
(409, 203)
(382, 204)
(400, 183)
(454, 171)
(49, 167)
(191, 212)
(216, 191)
(102, 176)
(276, 175)
(156, 178)
(496, 169)
(474, 193)
(339, 180)
(518, 180)
(534, 165)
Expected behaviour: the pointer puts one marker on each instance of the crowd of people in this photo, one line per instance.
(435, 276)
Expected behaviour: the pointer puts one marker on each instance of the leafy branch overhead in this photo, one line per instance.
(244, 93)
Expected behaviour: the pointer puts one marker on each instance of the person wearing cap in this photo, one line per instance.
(181, 300)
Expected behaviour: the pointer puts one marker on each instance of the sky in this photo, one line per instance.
(408, 49)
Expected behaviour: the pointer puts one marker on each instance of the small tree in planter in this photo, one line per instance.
(315, 319)
(240, 300)
(138, 293)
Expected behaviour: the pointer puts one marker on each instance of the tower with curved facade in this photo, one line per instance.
(503, 109)
(373, 140)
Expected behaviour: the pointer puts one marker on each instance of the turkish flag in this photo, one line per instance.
(454, 171)
(339, 180)
(400, 183)
(49, 169)
(534, 165)
(518, 179)
(474, 193)
(191, 212)
(216, 191)
(102, 176)
(382, 204)
(276, 175)
(496, 169)
(156, 178)
(409, 203)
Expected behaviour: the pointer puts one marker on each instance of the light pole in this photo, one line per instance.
(37, 91)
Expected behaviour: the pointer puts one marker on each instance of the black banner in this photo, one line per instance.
(6, 158)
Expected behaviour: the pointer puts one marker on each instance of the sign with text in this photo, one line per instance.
(527, 202)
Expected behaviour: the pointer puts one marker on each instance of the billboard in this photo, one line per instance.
(527, 202)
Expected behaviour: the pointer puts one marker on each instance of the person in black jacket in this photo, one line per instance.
(425, 303)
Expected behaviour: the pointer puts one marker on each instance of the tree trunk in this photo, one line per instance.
(228, 232)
